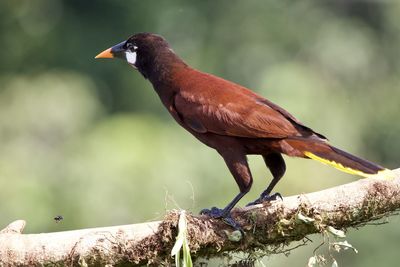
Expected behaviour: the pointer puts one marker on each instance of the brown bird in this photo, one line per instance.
(232, 119)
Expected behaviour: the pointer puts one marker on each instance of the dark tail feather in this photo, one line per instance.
(339, 159)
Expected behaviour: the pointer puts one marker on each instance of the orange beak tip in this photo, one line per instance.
(105, 54)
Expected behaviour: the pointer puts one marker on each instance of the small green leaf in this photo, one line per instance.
(178, 259)
(182, 221)
(181, 243)
(301, 217)
(187, 259)
(336, 232)
(177, 247)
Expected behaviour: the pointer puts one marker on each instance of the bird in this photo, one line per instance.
(232, 119)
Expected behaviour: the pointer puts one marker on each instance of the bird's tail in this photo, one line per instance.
(323, 152)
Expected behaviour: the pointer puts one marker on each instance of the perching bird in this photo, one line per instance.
(232, 119)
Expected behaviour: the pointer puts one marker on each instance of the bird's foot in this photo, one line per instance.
(214, 212)
(226, 216)
(264, 197)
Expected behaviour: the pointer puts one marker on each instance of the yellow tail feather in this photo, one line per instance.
(383, 174)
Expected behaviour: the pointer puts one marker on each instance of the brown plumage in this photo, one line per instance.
(230, 118)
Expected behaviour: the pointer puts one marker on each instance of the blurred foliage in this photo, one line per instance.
(91, 141)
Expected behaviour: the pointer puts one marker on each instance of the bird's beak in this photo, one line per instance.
(115, 51)
(105, 54)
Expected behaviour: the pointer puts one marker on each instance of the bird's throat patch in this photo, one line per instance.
(130, 57)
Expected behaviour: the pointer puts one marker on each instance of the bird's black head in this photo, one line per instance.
(144, 51)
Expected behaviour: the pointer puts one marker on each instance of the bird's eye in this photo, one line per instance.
(131, 47)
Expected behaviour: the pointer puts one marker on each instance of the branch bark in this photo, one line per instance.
(270, 224)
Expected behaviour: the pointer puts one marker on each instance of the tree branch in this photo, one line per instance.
(274, 223)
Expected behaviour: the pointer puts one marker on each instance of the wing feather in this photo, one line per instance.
(243, 118)
(207, 103)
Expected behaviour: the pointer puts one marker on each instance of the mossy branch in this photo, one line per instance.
(272, 224)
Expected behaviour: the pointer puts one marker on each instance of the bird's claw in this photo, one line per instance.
(217, 213)
(264, 197)
(275, 196)
(214, 212)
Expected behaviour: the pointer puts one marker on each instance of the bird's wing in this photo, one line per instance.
(229, 109)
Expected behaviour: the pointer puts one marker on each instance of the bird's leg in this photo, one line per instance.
(224, 213)
(277, 166)
(237, 164)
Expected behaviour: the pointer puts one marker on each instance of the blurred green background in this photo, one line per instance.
(89, 139)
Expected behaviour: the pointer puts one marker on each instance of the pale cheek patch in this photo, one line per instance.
(130, 57)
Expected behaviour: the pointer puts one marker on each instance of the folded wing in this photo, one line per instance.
(229, 109)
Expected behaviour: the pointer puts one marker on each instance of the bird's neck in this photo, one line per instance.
(163, 68)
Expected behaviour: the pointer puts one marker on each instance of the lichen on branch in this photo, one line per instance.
(271, 224)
